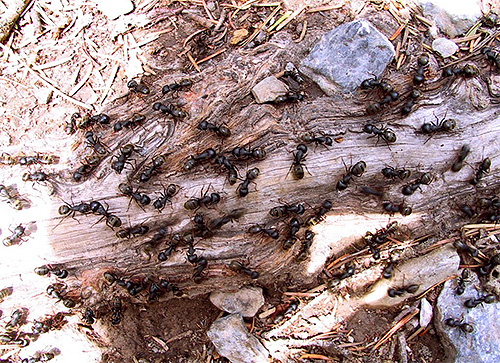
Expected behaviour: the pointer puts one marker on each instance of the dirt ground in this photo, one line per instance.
(66, 59)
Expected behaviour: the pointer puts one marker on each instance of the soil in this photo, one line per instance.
(169, 329)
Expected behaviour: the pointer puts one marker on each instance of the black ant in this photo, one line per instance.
(151, 169)
(125, 153)
(229, 217)
(318, 140)
(136, 119)
(297, 167)
(472, 303)
(458, 164)
(294, 229)
(252, 174)
(463, 247)
(56, 271)
(182, 84)
(392, 173)
(57, 291)
(231, 169)
(170, 109)
(461, 282)
(387, 272)
(411, 289)
(94, 142)
(288, 97)
(172, 245)
(238, 267)
(385, 134)
(305, 245)
(206, 155)
(380, 236)
(200, 229)
(86, 169)
(116, 309)
(284, 210)
(425, 178)
(16, 236)
(70, 210)
(483, 168)
(241, 153)
(137, 87)
(140, 199)
(79, 122)
(394, 208)
(443, 125)
(38, 159)
(132, 232)
(356, 170)
(219, 130)
(165, 196)
(455, 323)
(200, 265)
(7, 159)
(12, 200)
(319, 216)
(38, 176)
(205, 200)
(271, 232)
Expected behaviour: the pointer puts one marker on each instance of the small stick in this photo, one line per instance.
(324, 8)
(398, 31)
(189, 37)
(109, 83)
(82, 82)
(303, 32)
(193, 62)
(211, 56)
(395, 328)
(291, 17)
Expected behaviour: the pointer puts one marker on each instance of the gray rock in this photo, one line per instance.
(115, 8)
(268, 89)
(423, 271)
(480, 346)
(347, 55)
(233, 341)
(444, 47)
(452, 17)
(425, 313)
(246, 301)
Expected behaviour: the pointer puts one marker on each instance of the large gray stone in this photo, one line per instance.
(480, 346)
(424, 271)
(347, 55)
(246, 301)
(451, 16)
(233, 341)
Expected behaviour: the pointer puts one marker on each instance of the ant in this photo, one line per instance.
(288, 97)
(463, 247)
(385, 134)
(305, 245)
(38, 176)
(392, 173)
(70, 210)
(392, 208)
(409, 189)
(165, 196)
(172, 245)
(151, 169)
(57, 291)
(132, 287)
(231, 169)
(206, 155)
(472, 303)
(238, 267)
(241, 153)
(297, 165)
(116, 309)
(13, 201)
(136, 119)
(200, 265)
(37, 159)
(483, 168)
(6, 159)
(200, 229)
(387, 272)
(88, 316)
(371, 191)
(205, 200)
(455, 323)
(15, 237)
(125, 153)
(222, 130)
(294, 229)
(443, 125)
(137, 87)
(411, 289)
(461, 282)
(356, 170)
(326, 206)
(46, 270)
(140, 199)
(132, 232)
(284, 210)
(160, 234)
(170, 109)
(94, 142)
(252, 174)
(458, 164)
(86, 169)
(318, 140)
(271, 232)
(231, 216)
(378, 238)
(183, 83)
